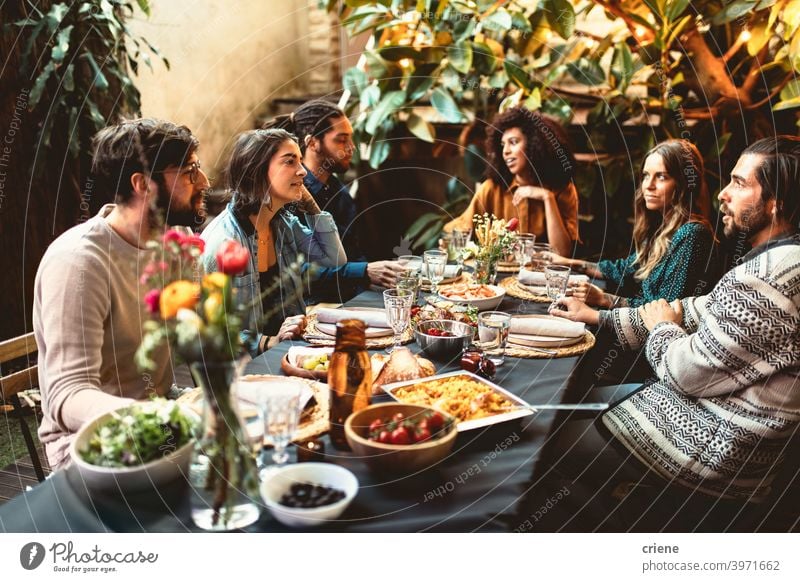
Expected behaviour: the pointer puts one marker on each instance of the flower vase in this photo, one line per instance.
(223, 472)
(485, 270)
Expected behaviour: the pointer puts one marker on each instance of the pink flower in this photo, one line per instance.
(152, 300)
(194, 240)
(173, 235)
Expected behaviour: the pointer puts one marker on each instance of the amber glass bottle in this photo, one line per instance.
(349, 377)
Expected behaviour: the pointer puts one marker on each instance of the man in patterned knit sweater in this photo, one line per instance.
(726, 398)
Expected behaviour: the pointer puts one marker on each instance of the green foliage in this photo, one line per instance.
(79, 55)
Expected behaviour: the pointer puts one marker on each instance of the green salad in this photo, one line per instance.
(139, 434)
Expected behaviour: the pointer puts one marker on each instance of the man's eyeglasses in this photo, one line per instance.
(193, 172)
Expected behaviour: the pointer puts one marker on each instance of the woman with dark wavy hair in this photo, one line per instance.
(674, 246)
(529, 177)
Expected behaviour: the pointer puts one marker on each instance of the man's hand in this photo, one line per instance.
(576, 311)
(292, 328)
(532, 192)
(660, 311)
(384, 273)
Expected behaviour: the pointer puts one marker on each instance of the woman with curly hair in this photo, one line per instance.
(529, 177)
(674, 245)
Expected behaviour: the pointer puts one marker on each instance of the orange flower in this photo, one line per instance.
(178, 295)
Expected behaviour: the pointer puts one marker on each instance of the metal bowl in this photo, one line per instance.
(443, 349)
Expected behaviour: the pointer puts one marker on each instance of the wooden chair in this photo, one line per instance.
(19, 391)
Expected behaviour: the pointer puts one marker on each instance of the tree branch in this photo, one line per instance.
(632, 25)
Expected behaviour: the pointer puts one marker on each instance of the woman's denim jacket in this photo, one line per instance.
(318, 243)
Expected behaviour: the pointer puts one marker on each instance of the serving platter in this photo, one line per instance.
(519, 408)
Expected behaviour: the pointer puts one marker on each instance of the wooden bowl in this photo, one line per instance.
(396, 458)
(290, 369)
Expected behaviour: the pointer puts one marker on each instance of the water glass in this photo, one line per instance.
(435, 263)
(523, 248)
(540, 256)
(280, 409)
(458, 242)
(411, 263)
(493, 329)
(397, 303)
(557, 277)
(411, 282)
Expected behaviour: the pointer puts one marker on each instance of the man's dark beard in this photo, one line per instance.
(332, 163)
(179, 216)
(753, 220)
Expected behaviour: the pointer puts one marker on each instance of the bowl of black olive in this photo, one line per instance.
(308, 494)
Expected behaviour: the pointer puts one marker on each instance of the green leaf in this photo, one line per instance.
(379, 148)
(759, 36)
(719, 147)
(421, 80)
(62, 44)
(144, 6)
(430, 237)
(55, 16)
(787, 104)
(460, 56)
(95, 115)
(622, 65)
(376, 66)
(792, 90)
(99, 81)
(483, 58)
(534, 100)
(420, 128)
(355, 80)
(498, 21)
(519, 21)
(389, 104)
(463, 29)
(677, 28)
(68, 81)
(657, 9)
(74, 138)
(517, 75)
(370, 97)
(675, 8)
(39, 85)
(586, 71)
(420, 224)
(733, 11)
(561, 16)
(444, 103)
(396, 53)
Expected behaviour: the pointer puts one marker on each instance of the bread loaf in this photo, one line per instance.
(402, 365)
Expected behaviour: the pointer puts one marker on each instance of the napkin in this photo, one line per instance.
(369, 317)
(547, 326)
(450, 271)
(537, 279)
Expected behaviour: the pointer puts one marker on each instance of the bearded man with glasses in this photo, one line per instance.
(87, 312)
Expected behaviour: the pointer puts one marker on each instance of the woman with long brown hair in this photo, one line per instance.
(673, 241)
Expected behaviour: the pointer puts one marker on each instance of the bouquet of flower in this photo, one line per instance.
(195, 313)
(496, 239)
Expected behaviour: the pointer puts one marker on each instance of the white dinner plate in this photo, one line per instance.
(542, 341)
(371, 332)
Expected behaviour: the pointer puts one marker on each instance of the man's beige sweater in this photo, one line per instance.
(87, 317)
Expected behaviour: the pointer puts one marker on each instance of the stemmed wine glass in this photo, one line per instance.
(435, 263)
(280, 408)
(397, 303)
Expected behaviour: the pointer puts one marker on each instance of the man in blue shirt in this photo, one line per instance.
(326, 140)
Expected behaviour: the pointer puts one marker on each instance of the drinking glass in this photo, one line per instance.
(410, 281)
(280, 409)
(411, 263)
(540, 256)
(523, 248)
(435, 263)
(397, 303)
(557, 277)
(458, 241)
(493, 329)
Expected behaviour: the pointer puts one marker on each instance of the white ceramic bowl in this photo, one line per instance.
(278, 482)
(152, 475)
(486, 304)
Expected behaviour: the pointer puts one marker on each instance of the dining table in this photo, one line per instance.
(477, 488)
